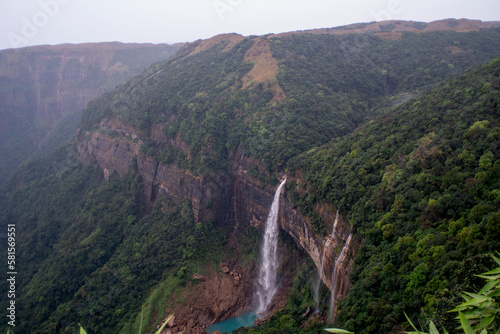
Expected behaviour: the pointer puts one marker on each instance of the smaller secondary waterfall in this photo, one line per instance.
(317, 283)
(340, 260)
(267, 282)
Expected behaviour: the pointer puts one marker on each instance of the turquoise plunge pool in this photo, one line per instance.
(229, 325)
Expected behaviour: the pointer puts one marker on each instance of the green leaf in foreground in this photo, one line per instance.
(465, 324)
(338, 331)
(164, 324)
(413, 326)
(496, 259)
(82, 330)
(433, 329)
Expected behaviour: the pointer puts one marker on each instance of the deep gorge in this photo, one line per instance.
(388, 137)
(235, 198)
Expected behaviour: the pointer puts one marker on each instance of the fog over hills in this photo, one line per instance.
(42, 85)
(154, 198)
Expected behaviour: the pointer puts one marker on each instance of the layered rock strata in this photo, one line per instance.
(233, 197)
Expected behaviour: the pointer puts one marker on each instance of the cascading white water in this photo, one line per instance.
(340, 260)
(317, 283)
(267, 282)
(335, 223)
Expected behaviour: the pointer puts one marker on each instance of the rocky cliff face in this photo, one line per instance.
(217, 295)
(41, 85)
(234, 197)
(116, 148)
(251, 203)
(299, 227)
(63, 78)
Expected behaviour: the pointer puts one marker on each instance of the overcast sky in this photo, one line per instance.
(35, 22)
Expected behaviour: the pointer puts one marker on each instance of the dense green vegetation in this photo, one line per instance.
(480, 311)
(332, 83)
(199, 112)
(88, 253)
(415, 168)
(421, 184)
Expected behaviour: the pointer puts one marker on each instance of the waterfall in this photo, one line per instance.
(340, 260)
(317, 283)
(267, 282)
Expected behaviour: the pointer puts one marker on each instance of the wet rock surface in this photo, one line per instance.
(233, 198)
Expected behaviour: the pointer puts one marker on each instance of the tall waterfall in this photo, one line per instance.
(267, 282)
(317, 283)
(340, 260)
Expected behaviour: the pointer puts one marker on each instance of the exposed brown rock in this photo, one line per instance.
(199, 277)
(160, 181)
(215, 299)
(237, 199)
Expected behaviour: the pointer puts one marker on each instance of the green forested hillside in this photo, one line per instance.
(331, 82)
(78, 236)
(390, 132)
(421, 184)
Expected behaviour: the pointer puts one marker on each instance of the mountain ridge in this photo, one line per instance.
(398, 26)
(172, 173)
(43, 84)
(115, 45)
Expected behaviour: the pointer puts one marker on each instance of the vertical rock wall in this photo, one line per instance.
(233, 197)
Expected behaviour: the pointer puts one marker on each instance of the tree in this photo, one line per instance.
(480, 313)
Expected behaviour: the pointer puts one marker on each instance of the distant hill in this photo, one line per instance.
(394, 28)
(390, 148)
(41, 85)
